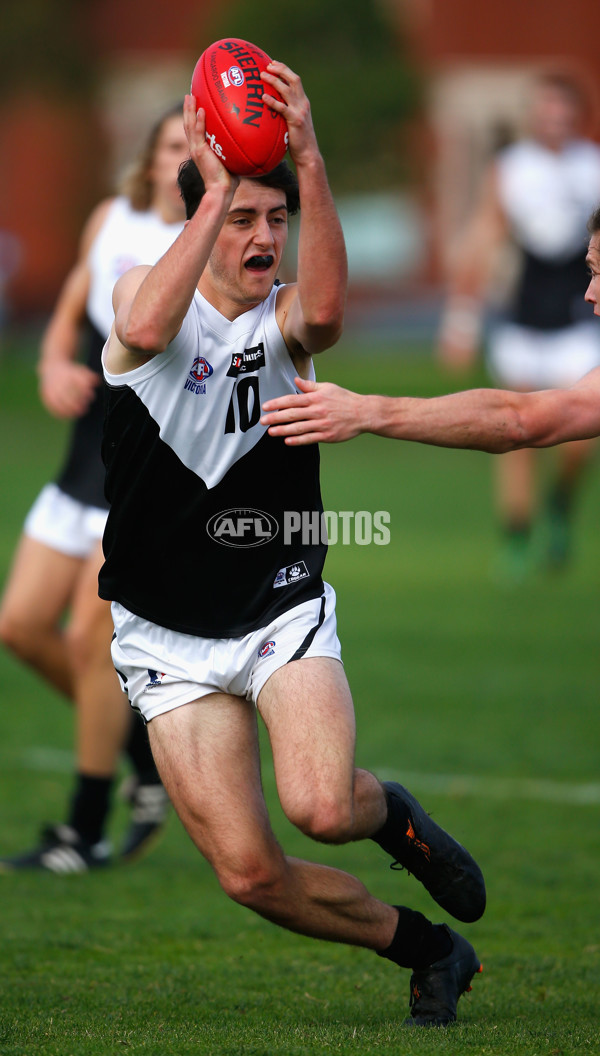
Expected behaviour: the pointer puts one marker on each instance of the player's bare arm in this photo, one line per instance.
(470, 272)
(492, 420)
(148, 316)
(66, 386)
(311, 313)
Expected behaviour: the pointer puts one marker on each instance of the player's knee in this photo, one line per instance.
(15, 635)
(325, 820)
(254, 883)
(6, 632)
(79, 647)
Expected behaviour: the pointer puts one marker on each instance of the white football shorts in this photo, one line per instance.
(526, 359)
(160, 669)
(64, 524)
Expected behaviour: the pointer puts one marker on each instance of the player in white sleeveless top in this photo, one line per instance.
(538, 195)
(200, 605)
(128, 237)
(56, 565)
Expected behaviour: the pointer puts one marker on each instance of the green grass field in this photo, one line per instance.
(483, 698)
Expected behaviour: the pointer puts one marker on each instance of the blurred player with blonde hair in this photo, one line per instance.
(55, 569)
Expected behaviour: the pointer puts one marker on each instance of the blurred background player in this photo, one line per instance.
(537, 194)
(55, 569)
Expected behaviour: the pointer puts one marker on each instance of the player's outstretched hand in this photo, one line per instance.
(295, 108)
(67, 388)
(320, 413)
(211, 169)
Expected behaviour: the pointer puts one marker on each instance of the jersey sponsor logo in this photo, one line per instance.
(267, 649)
(200, 371)
(242, 527)
(291, 574)
(247, 362)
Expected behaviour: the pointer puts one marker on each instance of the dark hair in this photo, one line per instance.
(593, 224)
(281, 178)
(136, 183)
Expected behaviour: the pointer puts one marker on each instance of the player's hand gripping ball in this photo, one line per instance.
(248, 137)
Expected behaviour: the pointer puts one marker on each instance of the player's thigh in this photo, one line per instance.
(577, 453)
(207, 755)
(308, 711)
(515, 472)
(40, 585)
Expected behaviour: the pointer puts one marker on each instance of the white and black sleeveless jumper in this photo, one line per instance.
(198, 536)
(126, 238)
(547, 198)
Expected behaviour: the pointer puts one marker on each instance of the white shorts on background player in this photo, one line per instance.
(161, 669)
(64, 524)
(520, 357)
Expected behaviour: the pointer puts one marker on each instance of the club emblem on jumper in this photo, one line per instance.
(267, 649)
(196, 380)
(123, 264)
(242, 527)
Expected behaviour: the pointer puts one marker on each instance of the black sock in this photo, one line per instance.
(417, 942)
(517, 530)
(395, 823)
(90, 804)
(560, 499)
(138, 749)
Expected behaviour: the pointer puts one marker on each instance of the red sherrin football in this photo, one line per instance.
(248, 137)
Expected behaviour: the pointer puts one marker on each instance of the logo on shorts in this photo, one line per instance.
(291, 574)
(242, 527)
(156, 678)
(266, 650)
(200, 371)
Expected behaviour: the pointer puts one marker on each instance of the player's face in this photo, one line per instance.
(592, 294)
(555, 117)
(247, 254)
(171, 150)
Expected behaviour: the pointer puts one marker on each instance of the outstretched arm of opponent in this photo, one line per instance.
(492, 420)
(311, 312)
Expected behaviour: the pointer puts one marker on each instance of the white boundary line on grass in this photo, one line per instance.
(500, 787)
(59, 760)
(49, 760)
